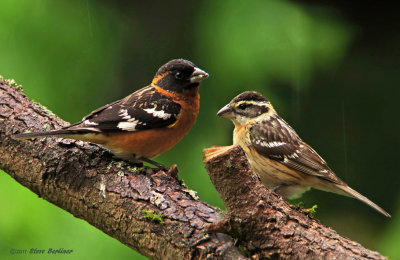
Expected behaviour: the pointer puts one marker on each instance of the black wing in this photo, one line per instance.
(144, 109)
(276, 140)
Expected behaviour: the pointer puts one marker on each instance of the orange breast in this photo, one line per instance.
(153, 142)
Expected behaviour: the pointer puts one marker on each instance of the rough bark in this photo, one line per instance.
(121, 200)
(111, 195)
(264, 224)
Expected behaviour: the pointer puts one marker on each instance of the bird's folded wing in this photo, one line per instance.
(280, 142)
(144, 109)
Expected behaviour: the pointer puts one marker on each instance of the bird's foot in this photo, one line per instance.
(158, 165)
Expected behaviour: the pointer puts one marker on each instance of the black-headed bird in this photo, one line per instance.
(146, 123)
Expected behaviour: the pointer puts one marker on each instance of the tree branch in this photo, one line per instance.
(265, 225)
(152, 211)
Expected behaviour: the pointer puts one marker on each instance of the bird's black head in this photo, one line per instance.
(179, 75)
(246, 106)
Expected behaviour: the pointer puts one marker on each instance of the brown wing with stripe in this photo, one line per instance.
(276, 140)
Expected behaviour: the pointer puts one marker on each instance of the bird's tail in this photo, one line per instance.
(60, 132)
(347, 191)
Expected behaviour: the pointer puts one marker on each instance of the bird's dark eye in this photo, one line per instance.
(243, 106)
(179, 75)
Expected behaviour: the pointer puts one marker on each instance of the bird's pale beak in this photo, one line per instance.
(226, 111)
(198, 75)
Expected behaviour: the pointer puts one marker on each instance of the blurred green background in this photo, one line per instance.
(331, 69)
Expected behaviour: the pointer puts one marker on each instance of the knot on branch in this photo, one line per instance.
(153, 212)
(264, 224)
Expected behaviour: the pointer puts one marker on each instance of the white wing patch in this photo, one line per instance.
(160, 114)
(275, 144)
(124, 114)
(269, 144)
(293, 156)
(92, 129)
(87, 122)
(128, 126)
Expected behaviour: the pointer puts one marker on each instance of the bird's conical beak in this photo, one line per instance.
(198, 75)
(226, 111)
